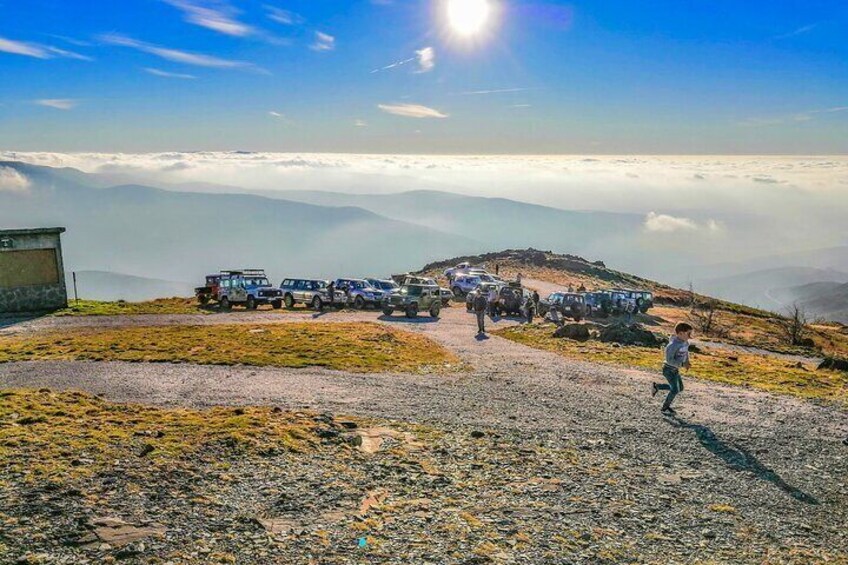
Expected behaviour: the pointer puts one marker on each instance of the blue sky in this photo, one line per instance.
(615, 77)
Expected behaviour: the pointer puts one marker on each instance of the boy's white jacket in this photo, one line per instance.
(676, 352)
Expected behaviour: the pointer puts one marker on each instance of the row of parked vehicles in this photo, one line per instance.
(509, 297)
(251, 288)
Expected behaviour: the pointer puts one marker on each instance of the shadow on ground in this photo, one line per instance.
(738, 458)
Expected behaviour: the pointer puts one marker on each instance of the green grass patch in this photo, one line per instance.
(120, 307)
(55, 435)
(358, 347)
(756, 371)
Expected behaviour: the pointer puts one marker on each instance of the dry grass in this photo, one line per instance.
(118, 308)
(55, 435)
(358, 347)
(761, 372)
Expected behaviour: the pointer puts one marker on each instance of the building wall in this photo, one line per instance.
(32, 276)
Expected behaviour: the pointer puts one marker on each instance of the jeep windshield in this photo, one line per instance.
(412, 290)
(257, 282)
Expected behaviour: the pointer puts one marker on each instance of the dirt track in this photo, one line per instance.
(779, 460)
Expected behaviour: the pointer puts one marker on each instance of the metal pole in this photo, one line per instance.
(76, 298)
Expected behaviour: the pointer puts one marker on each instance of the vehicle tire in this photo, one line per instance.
(251, 303)
(225, 304)
(457, 292)
(289, 300)
(276, 305)
(203, 299)
(388, 311)
(435, 310)
(359, 303)
(412, 311)
(317, 303)
(640, 304)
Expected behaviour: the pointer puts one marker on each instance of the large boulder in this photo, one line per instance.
(634, 334)
(577, 332)
(834, 364)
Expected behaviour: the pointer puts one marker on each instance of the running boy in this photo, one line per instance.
(676, 357)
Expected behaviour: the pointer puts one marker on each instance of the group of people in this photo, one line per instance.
(486, 304)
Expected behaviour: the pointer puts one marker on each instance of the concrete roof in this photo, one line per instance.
(32, 231)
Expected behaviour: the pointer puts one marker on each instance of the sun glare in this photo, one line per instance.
(468, 17)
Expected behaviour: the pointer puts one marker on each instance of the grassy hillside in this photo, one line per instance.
(736, 324)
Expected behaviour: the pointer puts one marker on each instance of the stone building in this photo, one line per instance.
(32, 277)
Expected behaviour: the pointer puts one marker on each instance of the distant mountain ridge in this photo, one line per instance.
(160, 234)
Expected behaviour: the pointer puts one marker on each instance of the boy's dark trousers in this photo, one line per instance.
(674, 386)
(481, 321)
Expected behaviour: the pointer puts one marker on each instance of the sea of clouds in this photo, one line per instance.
(758, 205)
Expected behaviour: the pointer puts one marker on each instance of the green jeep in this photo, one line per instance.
(413, 298)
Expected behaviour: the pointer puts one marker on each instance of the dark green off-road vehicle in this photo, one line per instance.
(414, 298)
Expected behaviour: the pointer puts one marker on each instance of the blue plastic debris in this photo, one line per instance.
(363, 542)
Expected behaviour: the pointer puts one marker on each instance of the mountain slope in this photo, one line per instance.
(762, 288)
(499, 221)
(103, 285)
(170, 235)
(827, 300)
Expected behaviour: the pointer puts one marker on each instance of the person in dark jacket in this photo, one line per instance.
(480, 305)
(530, 307)
(536, 299)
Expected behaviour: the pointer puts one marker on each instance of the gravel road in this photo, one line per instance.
(779, 460)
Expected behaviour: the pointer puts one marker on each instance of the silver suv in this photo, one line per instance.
(311, 292)
(360, 293)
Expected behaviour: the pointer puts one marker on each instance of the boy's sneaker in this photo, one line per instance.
(654, 389)
(669, 410)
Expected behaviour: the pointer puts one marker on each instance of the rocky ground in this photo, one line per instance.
(528, 458)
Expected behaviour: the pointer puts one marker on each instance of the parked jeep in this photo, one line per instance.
(387, 286)
(412, 299)
(359, 293)
(463, 284)
(461, 269)
(510, 301)
(209, 292)
(249, 287)
(598, 303)
(311, 292)
(569, 304)
(643, 298)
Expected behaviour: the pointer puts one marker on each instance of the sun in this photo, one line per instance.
(468, 17)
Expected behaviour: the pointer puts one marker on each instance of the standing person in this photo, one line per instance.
(676, 357)
(518, 278)
(480, 304)
(493, 300)
(331, 291)
(630, 309)
(536, 299)
(530, 305)
(497, 269)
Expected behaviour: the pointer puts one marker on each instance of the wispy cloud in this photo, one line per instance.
(38, 50)
(285, 17)
(57, 103)
(788, 119)
(274, 114)
(166, 74)
(215, 15)
(425, 59)
(411, 111)
(800, 31)
(323, 42)
(177, 56)
(520, 106)
(360, 123)
(493, 91)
